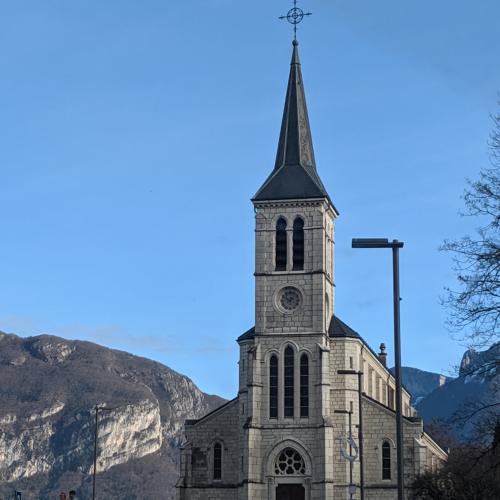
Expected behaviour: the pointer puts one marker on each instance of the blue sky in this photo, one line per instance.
(133, 135)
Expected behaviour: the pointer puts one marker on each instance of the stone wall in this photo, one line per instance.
(221, 426)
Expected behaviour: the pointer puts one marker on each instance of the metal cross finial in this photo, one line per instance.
(295, 16)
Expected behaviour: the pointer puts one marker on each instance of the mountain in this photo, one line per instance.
(478, 385)
(421, 383)
(49, 387)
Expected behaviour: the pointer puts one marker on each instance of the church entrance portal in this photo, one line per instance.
(290, 492)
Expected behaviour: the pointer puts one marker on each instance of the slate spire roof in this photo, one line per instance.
(294, 175)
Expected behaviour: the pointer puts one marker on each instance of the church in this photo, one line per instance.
(291, 433)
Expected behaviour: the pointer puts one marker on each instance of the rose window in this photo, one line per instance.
(289, 463)
(290, 299)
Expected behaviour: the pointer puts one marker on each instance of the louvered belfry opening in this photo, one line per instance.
(298, 244)
(281, 245)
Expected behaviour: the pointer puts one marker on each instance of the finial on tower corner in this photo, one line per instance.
(295, 16)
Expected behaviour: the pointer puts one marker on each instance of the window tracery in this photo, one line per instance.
(290, 463)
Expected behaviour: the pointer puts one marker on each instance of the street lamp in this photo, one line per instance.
(395, 245)
(97, 409)
(360, 429)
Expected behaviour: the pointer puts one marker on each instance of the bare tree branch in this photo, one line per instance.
(474, 306)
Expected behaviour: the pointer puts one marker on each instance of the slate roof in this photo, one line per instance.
(294, 175)
(248, 335)
(338, 328)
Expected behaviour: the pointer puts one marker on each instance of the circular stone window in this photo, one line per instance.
(289, 463)
(289, 299)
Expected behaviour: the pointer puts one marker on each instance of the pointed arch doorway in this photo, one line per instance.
(290, 492)
(289, 472)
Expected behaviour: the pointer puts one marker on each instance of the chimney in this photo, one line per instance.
(382, 355)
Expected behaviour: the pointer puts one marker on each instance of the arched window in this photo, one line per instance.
(289, 382)
(304, 386)
(386, 460)
(298, 244)
(273, 387)
(281, 245)
(217, 461)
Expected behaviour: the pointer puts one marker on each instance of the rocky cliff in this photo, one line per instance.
(421, 383)
(48, 390)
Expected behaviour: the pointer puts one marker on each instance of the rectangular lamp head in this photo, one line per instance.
(370, 243)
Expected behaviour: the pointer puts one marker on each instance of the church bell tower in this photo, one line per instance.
(294, 264)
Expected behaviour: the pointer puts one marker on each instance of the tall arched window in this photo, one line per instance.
(281, 245)
(217, 461)
(386, 460)
(304, 386)
(273, 387)
(298, 244)
(289, 382)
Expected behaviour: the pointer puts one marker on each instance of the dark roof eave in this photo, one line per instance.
(256, 199)
(248, 335)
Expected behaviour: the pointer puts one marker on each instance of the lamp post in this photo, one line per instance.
(97, 409)
(360, 429)
(352, 458)
(395, 245)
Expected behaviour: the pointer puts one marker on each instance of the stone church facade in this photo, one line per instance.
(282, 437)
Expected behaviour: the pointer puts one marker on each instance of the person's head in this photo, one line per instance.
(72, 494)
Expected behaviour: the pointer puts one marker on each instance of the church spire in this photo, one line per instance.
(294, 175)
(295, 143)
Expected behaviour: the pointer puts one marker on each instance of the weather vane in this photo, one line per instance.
(295, 16)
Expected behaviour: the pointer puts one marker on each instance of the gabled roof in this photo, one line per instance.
(294, 175)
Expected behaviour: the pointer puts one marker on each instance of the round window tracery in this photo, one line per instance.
(289, 463)
(289, 299)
